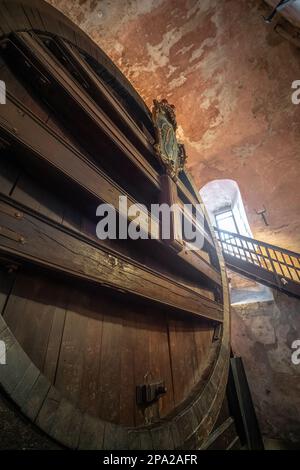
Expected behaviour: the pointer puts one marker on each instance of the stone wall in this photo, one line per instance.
(262, 334)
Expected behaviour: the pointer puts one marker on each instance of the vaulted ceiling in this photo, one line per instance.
(229, 74)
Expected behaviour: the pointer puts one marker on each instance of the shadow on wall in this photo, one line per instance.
(263, 334)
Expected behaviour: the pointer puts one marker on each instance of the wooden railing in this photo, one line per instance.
(266, 263)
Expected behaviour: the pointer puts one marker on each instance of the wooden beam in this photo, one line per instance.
(71, 101)
(169, 196)
(19, 125)
(31, 237)
(52, 69)
(102, 94)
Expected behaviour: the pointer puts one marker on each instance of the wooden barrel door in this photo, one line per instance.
(110, 344)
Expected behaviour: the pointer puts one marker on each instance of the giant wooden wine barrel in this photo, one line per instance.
(110, 344)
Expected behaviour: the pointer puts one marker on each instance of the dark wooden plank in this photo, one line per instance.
(16, 16)
(115, 437)
(16, 303)
(142, 373)
(6, 19)
(181, 349)
(246, 407)
(7, 280)
(110, 366)
(169, 196)
(92, 341)
(127, 377)
(8, 172)
(32, 403)
(68, 31)
(71, 218)
(95, 119)
(37, 198)
(60, 297)
(22, 390)
(59, 130)
(28, 12)
(50, 23)
(222, 437)
(4, 24)
(32, 327)
(74, 166)
(104, 97)
(49, 147)
(92, 433)
(203, 333)
(160, 363)
(47, 414)
(71, 358)
(162, 438)
(17, 363)
(16, 88)
(68, 420)
(48, 245)
(34, 17)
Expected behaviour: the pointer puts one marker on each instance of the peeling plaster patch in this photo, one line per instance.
(91, 21)
(119, 48)
(280, 358)
(245, 151)
(180, 133)
(185, 49)
(197, 53)
(263, 330)
(94, 14)
(159, 53)
(171, 70)
(201, 7)
(177, 82)
(215, 60)
(207, 97)
(262, 334)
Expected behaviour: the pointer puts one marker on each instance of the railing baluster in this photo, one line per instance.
(284, 264)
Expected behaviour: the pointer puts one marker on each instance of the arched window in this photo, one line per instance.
(225, 207)
(224, 203)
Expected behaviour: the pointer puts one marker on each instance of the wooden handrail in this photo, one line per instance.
(283, 264)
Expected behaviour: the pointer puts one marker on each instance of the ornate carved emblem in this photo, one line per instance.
(169, 150)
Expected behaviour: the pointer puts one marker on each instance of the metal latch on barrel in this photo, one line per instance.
(146, 394)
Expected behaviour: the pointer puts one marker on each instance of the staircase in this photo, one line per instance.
(267, 264)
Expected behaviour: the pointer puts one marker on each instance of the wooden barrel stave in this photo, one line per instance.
(83, 348)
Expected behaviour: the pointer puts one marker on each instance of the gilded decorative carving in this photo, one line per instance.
(171, 153)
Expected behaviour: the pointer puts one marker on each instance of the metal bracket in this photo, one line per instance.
(263, 214)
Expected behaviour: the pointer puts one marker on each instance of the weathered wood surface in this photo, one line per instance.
(85, 350)
(140, 163)
(106, 100)
(39, 141)
(71, 101)
(31, 238)
(54, 413)
(91, 340)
